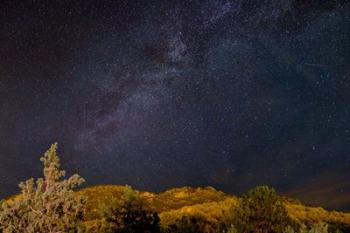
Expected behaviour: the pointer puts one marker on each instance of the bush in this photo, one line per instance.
(261, 210)
(232, 229)
(98, 226)
(45, 205)
(316, 228)
(131, 217)
(190, 224)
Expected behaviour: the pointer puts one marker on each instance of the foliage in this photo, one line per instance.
(318, 228)
(130, 216)
(261, 210)
(212, 205)
(177, 198)
(231, 229)
(315, 228)
(312, 215)
(214, 213)
(190, 224)
(47, 204)
(289, 229)
(98, 225)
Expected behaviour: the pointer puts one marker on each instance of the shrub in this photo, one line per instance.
(190, 224)
(98, 226)
(318, 228)
(261, 210)
(45, 205)
(289, 229)
(131, 217)
(232, 229)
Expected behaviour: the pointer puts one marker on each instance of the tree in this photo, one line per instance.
(47, 205)
(130, 216)
(261, 210)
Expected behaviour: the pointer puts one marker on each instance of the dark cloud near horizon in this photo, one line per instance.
(159, 94)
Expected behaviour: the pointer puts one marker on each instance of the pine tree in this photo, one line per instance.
(47, 205)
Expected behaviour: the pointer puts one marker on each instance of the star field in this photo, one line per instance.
(156, 94)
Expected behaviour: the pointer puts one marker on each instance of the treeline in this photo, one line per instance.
(49, 205)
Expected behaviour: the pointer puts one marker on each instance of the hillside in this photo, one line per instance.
(206, 202)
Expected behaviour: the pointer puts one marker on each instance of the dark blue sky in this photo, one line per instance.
(156, 94)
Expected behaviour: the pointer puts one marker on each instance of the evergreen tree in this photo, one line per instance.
(47, 205)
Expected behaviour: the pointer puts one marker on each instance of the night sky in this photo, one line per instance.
(160, 94)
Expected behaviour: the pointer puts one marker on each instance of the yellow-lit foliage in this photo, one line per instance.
(215, 213)
(311, 215)
(204, 202)
(101, 198)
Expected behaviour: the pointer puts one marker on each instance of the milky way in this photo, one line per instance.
(158, 94)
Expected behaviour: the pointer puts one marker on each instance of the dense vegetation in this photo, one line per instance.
(261, 210)
(49, 205)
